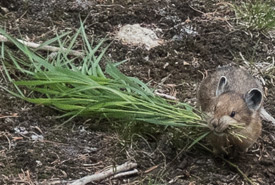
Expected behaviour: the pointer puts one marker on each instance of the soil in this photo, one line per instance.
(85, 146)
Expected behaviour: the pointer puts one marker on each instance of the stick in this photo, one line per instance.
(135, 171)
(165, 96)
(151, 169)
(104, 174)
(132, 172)
(266, 116)
(45, 48)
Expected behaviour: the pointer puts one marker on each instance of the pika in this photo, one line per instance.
(232, 99)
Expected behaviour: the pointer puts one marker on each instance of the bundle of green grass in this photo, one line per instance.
(83, 89)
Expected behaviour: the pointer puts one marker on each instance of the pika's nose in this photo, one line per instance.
(214, 123)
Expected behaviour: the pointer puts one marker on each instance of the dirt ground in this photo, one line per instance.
(85, 146)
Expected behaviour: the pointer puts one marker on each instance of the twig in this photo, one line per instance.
(56, 182)
(132, 172)
(112, 5)
(244, 60)
(10, 116)
(45, 48)
(266, 116)
(165, 96)
(104, 174)
(8, 140)
(196, 10)
(151, 169)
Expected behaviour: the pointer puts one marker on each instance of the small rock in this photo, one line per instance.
(138, 36)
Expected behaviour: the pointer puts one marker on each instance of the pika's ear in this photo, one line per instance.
(253, 99)
(222, 86)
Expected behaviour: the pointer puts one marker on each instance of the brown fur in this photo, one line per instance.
(219, 108)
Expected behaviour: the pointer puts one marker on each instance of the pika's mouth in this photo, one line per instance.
(217, 133)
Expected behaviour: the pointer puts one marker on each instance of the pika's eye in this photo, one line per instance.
(232, 114)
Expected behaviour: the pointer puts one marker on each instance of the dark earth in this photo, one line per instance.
(85, 146)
